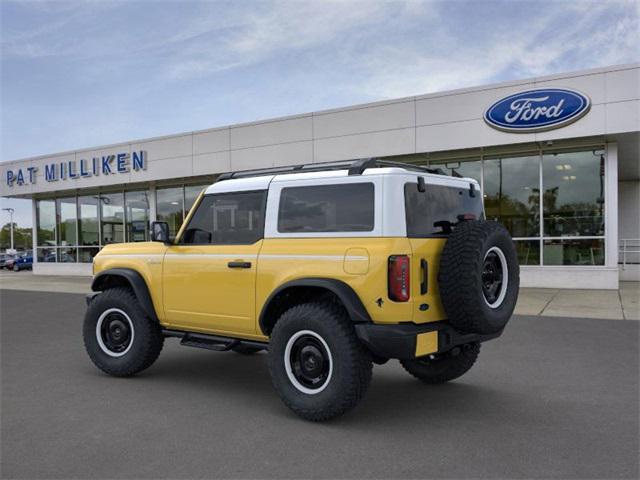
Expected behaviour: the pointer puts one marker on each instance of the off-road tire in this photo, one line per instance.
(351, 362)
(460, 277)
(443, 368)
(246, 350)
(147, 339)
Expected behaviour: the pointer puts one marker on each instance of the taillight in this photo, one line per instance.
(399, 278)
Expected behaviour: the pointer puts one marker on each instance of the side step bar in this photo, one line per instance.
(211, 342)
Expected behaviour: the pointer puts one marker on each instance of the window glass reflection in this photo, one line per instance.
(169, 203)
(191, 193)
(574, 252)
(137, 215)
(464, 168)
(512, 194)
(46, 219)
(112, 214)
(528, 252)
(67, 221)
(88, 220)
(573, 194)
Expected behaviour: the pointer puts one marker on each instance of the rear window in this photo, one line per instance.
(432, 212)
(327, 208)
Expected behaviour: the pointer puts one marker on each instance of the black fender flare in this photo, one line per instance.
(134, 280)
(349, 298)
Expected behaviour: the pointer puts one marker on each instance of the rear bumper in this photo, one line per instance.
(406, 341)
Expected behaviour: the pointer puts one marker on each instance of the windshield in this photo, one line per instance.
(434, 211)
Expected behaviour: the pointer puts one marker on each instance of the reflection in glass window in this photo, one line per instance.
(112, 215)
(86, 254)
(137, 216)
(512, 194)
(528, 252)
(169, 203)
(327, 208)
(436, 210)
(46, 219)
(191, 193)
(88, 220)
(236, 218)
(46, 255)
(67, 221)
(573, 194)
(66, 255)
(574, 252)
(464, 168)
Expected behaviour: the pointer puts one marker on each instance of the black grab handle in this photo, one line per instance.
(239, 264)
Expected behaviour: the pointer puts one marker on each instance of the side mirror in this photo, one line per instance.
(160, 232)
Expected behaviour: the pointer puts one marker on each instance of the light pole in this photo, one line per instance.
(10, 210)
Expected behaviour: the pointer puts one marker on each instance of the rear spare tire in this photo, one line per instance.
(479, 277)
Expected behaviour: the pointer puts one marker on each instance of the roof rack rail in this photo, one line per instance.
(354, 167)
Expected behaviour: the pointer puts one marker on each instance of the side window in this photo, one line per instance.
(327, 208)
(227, 219)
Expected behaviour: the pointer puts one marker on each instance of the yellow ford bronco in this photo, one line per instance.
(329, 267)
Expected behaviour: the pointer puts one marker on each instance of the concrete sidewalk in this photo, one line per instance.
(620, 304)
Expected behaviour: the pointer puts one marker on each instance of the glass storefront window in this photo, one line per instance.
(46, 255)
(574, 251)
(512, 193)
(112, 218)
(464, 168)
(88, 220)
(191, 193)
(137, 216)
(46, 218)
(67, 221)
(573, 199)
(86, 254)
(528, 252)
(169, 207)
(67, 255)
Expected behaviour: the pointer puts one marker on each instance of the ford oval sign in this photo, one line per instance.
(537, 110)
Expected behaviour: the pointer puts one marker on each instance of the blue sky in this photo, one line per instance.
(80, 74)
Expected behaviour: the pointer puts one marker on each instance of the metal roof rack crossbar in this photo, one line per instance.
(354, 167)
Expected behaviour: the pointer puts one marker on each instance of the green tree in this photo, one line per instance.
(22, 237)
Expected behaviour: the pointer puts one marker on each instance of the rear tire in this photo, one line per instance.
(318, 367)
(445, 367)
(118, 336)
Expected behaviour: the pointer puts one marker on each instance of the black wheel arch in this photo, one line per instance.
(318, 286)
(117, 277)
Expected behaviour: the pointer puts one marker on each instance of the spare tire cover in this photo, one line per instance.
(479, 277)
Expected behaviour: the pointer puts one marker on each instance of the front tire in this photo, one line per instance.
(118, 336)
(443, 368)
(16, 268)
(318, 367)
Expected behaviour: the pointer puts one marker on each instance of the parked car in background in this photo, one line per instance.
(22, 262)
(4, 259)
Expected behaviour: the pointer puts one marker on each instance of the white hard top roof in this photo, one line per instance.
(262, 182)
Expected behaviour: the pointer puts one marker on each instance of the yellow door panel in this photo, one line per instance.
(211, 287)
(424, 289)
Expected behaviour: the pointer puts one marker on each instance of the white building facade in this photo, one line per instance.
(558, 160)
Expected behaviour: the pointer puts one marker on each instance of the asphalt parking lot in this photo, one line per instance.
(552, 398)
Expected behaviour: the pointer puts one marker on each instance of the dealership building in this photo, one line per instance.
(557, 158)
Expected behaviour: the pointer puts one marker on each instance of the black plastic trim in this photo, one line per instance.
(204, 338)
(135, 280)
(344, 292)
(399, 341)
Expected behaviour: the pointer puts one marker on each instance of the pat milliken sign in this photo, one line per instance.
(537, 110)
(105, 165)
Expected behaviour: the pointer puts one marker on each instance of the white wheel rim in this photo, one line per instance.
(287, 363)
(103, 347)
(505, 277)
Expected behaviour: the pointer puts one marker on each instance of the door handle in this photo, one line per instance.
(424, 267)
(239, 264)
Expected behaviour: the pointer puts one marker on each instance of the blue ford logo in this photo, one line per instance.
(536, 110)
